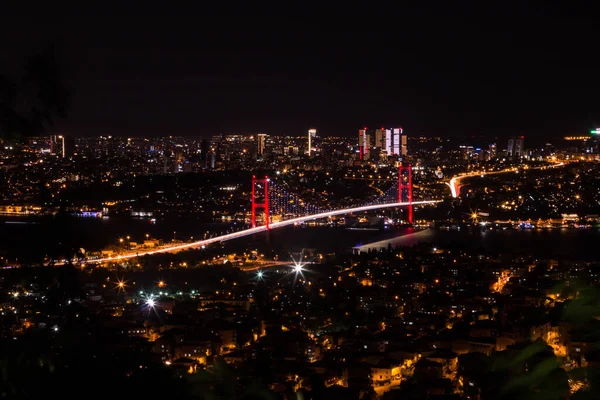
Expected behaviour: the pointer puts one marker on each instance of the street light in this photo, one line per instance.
(121, 285)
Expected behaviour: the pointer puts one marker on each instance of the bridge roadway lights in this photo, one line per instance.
(258, 229)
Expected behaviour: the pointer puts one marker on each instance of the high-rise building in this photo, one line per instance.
(312, 141)
(515, 146)
(261, 140)
(364, 143)
(204, 150)
(380, 138)
(388, 141)
(492, 150)
(62, 145)
(56, 144)
(396, 140)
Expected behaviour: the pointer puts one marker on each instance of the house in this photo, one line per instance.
(448, 360)
(183, 365)
(385, 371)
(426, 370)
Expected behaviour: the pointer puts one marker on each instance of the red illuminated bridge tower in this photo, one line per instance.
(405, 188)
(260, 198)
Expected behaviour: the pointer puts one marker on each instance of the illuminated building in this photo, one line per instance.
(312, 136)
(396, 140)
(388, 141)
(492, 150)
(62, 145)
(364, 143)
(515, 146)
(261, 139)
(380, 138)
(582, 138)
(403, 145)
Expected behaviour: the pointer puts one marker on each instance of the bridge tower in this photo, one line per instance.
(405, 187)
(260, 200)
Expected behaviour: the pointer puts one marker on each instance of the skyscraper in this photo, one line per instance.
(403, 145)
(515, 146)
(380, 138)
(261, 139)
(492, 150)
(396, 140)
(388, 142)
(56, 143)
(68, 146)
(312, 141)
(204, 150)
(364, 143)
(62, 146)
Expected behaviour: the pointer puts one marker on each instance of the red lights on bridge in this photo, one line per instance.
(264, 204)
(405, 188)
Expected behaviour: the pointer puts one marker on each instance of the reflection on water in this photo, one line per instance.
(43, 235)
(541, 243)
(405, 239)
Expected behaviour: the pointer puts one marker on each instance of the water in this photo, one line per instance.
(541, 243)
(34, 237)
(31, 238)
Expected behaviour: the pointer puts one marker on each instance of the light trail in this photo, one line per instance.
(258, 229)
(454, 182)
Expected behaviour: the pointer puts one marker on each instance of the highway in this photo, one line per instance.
(252, 231)
(455, 182)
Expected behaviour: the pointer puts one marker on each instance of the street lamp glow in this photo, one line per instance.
(150, 303)
(298, 267)
(260, 274)
(16, 294)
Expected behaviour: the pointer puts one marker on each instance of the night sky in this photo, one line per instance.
(489, 70)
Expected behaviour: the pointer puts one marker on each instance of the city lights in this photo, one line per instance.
(298, 268)
(262, 228)
(120, 284)
(249, 237)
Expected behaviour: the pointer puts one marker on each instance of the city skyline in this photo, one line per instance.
(309, 203)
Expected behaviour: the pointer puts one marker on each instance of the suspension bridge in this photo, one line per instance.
(275, 206)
